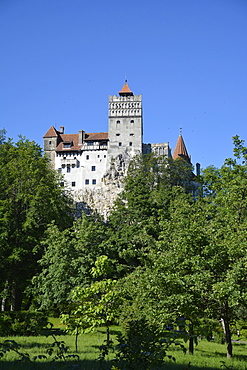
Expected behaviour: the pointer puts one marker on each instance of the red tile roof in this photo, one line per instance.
(125, 90)
(180, 150)
(74, 140)
(96, 136)
(69, 138)
(52, 132)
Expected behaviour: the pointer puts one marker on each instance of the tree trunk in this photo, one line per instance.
(191, 340)
(16, 298)
(228, 339)
(76, 340)
(4, 298)
(228, 335)
(107, 336)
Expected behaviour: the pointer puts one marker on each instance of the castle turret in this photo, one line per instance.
(51, 140)
(180, 150)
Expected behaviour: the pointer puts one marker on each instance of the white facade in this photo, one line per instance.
(84, 169)
(85, 158)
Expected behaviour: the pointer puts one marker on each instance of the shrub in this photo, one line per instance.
(142, 346)
(22, 323)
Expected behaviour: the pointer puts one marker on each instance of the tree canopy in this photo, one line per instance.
(30, 198)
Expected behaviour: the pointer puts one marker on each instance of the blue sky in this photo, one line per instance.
(60, 59)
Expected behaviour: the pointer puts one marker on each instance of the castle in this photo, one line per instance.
(93, 165)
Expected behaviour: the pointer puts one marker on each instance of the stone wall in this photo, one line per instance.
(102, 199)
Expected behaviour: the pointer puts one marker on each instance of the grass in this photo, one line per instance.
(208, 355)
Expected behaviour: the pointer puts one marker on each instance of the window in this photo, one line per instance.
(86, 182)
(131, 134)
(50, 142)
(132, 121)
(94, 181)
(63, 165)
(117, 134)
(118, 121)
(93, 168)
(68, 168)
(73, 165)
(105, 156)
(90, 143)
(67, 145)
(120, 144)
(73, 183)
(98, 155)
(87, 156)
(130, 143)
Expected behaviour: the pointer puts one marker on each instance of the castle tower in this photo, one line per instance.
(124, 123)
(180, 150)
(51, 140)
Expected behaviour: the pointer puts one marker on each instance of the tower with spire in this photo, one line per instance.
(125, 129)
(180, 150)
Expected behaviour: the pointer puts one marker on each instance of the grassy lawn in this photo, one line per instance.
(208, 355)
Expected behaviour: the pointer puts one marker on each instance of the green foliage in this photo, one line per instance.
(196, 267)
(22, 323)
(30, 198)
(97, 304)
(148, 190)
(143, 346)
(67, 261)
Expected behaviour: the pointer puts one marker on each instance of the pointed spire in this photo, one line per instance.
(126, 90)
(180, 150)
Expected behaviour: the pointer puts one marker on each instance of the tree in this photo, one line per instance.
(197, 268)
(226, 190)
(68, 258)
(97, 304)
(148, 190)
(30, 198)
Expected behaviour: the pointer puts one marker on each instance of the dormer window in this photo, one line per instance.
(67, 144)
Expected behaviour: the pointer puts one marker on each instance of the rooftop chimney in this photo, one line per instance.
(81, 138)
(61, 129)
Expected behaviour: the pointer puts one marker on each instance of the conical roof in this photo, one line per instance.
(52, 132)
(125, 90)
(180, 150)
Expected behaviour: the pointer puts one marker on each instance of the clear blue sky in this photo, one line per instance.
(60, 59)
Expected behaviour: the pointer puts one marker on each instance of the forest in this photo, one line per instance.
(169, 263)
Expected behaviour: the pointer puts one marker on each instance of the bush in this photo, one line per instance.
(142, 346)
(22, 323)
